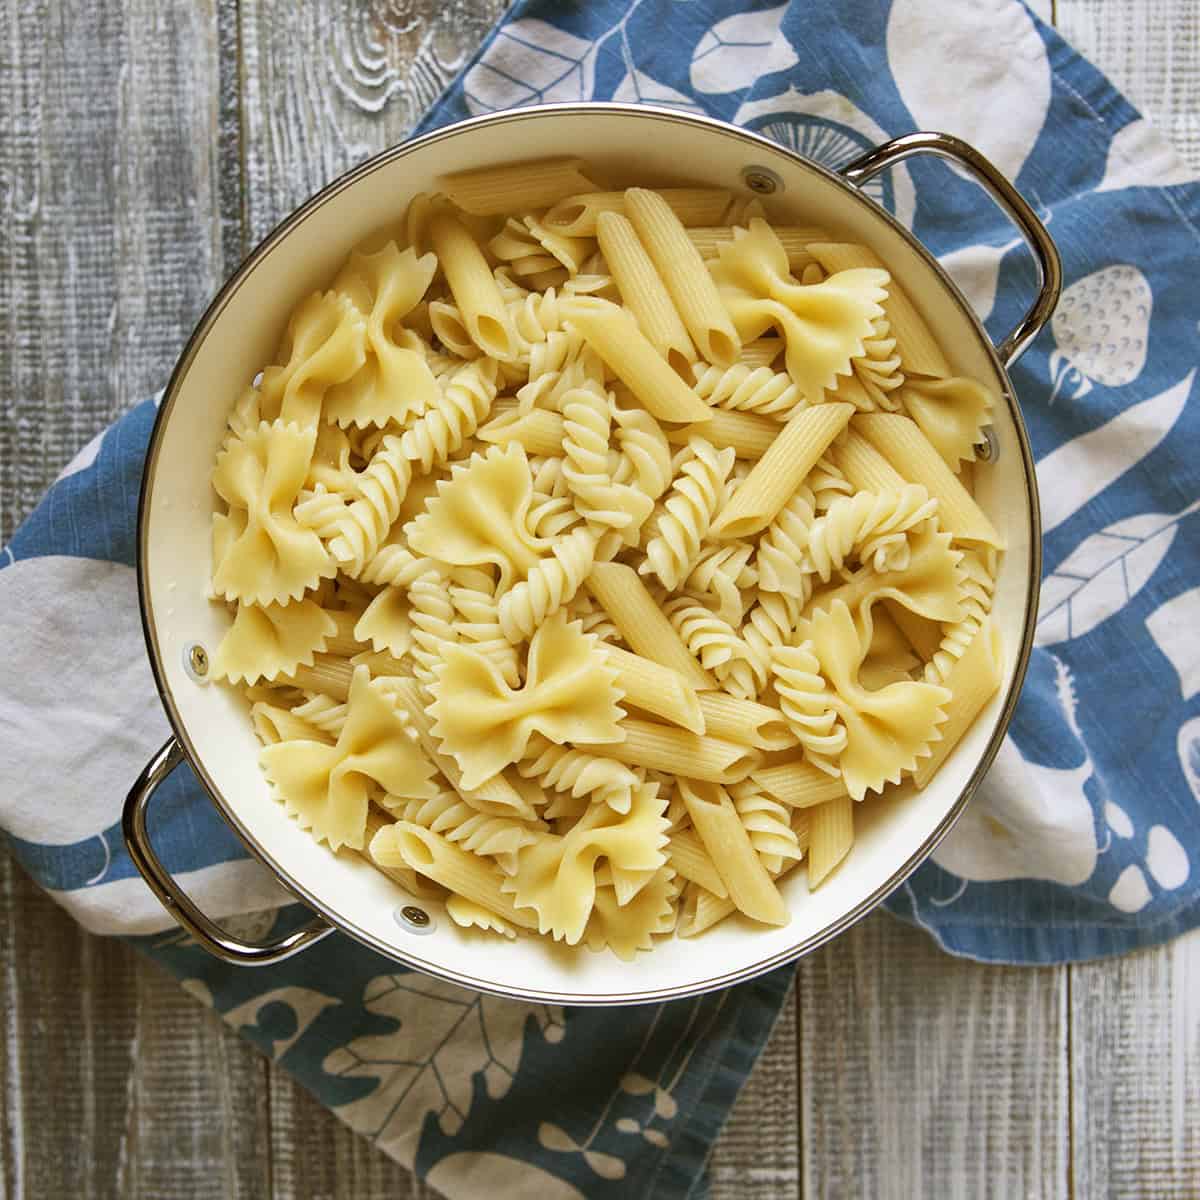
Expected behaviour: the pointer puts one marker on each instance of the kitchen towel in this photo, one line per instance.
(1080, 843)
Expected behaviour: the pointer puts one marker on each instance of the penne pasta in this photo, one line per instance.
(720, 830)
(761, 352)
(579, 215)
(515, 187)
(830, 834)
(642, 623)
(749, 434)
(799, 783)
(745, 721)
(615, 336)
(685, 275)
(458, 871)
(863, 465)
(328, 675)
(972, 681)
(918, 350)
(678, 752)
(643, 291)
(901, 442)
(410, 880)
(781, 470)
(708, 240)
(690, 859)
(702, 909)
(657, 689)
(539, 431)
(475, 292)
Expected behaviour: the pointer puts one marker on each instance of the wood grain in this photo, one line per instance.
(926, 1075)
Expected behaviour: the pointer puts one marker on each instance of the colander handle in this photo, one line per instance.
(211, 936)
(1045, 252)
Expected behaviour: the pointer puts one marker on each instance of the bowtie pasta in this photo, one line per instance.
(589, 553)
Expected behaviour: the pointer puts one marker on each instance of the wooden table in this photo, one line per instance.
(144, 146)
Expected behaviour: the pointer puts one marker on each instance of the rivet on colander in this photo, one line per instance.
(414, 920)
(762, 180)
(195, 661)
(988, 448)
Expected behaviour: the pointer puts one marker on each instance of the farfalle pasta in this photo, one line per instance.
(589, 554)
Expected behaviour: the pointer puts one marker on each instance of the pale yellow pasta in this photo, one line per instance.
(678, 752)
(800, 784)
(903, 444)
(748, 435)
(615, 336)
(794, 239)
(515, 187)
(781, 470)
(918, 350)
(551, 597)
(643, 291)
(483, 310)
(683, 271)
(972, 681)
(642, 622)
(656, 689)
(579, 215)
(830, 836)
(746, 722)
(690, 859)
(728, 845)
(406, 845)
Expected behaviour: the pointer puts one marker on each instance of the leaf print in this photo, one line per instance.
(829, 129)
(1139, 156)
(729, 57)
(627, 1125)
(555, 1138)
(1130, 893)
(636, 1085)
(1102, 574)
(1187, 745)
(1101, 329)
(664, 1104)
(967, 90)
(1082, 468)
(1173, 627)
(656, 1137)
(639, 88)
(1025, 821)
(275, 1020)
(1166, 859)
(445, 1037)
(976, 270)
(607, 1166)
(531, 62)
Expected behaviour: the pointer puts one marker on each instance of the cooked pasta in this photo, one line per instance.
(588, 561)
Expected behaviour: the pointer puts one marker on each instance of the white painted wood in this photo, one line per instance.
(1151, 50)
(1135, 1074)
(924, 1075)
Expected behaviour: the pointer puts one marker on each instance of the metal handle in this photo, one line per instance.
(162, 883)
(1045, 252)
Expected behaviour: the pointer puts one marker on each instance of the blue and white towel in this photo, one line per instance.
(1085, 838)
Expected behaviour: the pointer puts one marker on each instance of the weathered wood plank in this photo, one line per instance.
(1150, 49)
(757, 1156)
(925, 1075)
(315, 1157)
(327, 85)
(1135, 1074)
(114, 1081)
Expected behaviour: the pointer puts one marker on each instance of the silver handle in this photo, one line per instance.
(162, 883)
(1045, 252)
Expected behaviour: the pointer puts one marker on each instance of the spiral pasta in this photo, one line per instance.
(804, 699)
(580, 773)
(769, 824)
(716, 644)
(978, 589)
(872, 524)
(548, 586)
(453, 417)
(694, 499)
(478, 624)
(747, 389)
(431, 612)
(498, 837)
